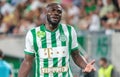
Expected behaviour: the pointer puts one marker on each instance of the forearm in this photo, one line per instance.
(78, 59)
(24, 69)
(26, 66)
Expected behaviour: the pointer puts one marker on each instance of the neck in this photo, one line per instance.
(51, 27)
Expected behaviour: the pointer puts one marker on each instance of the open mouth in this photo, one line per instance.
(55, 18)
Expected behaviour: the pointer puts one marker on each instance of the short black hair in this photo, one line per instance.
(1, 53)
(104, 59)
(52, 4)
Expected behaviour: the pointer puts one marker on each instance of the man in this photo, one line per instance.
(51, 45)
(106, 70)
(5, 70)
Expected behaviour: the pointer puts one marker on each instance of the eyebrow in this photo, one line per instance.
(53, 5)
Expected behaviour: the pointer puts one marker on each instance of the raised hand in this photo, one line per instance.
(90, 67)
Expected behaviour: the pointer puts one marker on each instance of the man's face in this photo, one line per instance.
(54, 14)
(101, 63)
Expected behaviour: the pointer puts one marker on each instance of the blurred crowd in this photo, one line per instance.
(18, 16)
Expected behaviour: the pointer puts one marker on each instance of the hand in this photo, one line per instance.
(89, 67)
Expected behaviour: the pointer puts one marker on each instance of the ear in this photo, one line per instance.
(45, 10)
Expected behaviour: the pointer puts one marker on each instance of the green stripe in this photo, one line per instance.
(53, 39)
(64, 64)
(76, 48)
(63, 61)
(28, 53)
(70, 41)
(36, 50)
(43, 39)
(63, 43)
(70, 38)
(55, 64)
(46, 66)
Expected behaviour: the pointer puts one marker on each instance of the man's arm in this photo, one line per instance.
(88, 67)
(78, 59)
(26, 66)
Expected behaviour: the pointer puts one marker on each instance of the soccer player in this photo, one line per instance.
(51, 44)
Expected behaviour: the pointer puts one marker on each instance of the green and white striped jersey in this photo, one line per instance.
(51, 50)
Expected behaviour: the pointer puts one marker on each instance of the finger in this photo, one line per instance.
(94, 69)
(87, 71)
(84, 71)
(92, 62)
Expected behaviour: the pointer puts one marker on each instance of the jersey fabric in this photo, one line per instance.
(52, 50)
(4, 69)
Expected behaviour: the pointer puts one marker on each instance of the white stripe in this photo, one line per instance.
(48, 39)
(51, 65)
(36, 67)
(67, 73)
(67, 63)
(41, 66)
(57, 38)
(59, 64)
(70, 73)
(64, 27)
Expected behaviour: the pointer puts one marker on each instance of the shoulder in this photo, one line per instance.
(35, 28)
(67, 25)
(30, 33)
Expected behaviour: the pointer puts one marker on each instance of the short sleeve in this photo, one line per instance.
(29, 44)
(74, 45)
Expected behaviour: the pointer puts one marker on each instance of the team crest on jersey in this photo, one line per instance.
(40, 34)
(63, 38)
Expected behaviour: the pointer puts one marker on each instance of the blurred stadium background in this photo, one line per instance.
(97, 23)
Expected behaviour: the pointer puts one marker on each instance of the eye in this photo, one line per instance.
(52, 10)
(59, 11)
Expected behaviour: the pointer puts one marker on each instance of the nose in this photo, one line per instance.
(55, 12)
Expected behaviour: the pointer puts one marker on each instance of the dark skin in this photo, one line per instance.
(54, 14)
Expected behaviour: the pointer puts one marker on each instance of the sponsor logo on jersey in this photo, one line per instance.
(54, 69)
(40, 34)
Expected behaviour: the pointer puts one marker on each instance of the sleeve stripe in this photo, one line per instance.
(29, 53)
(76, 48)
